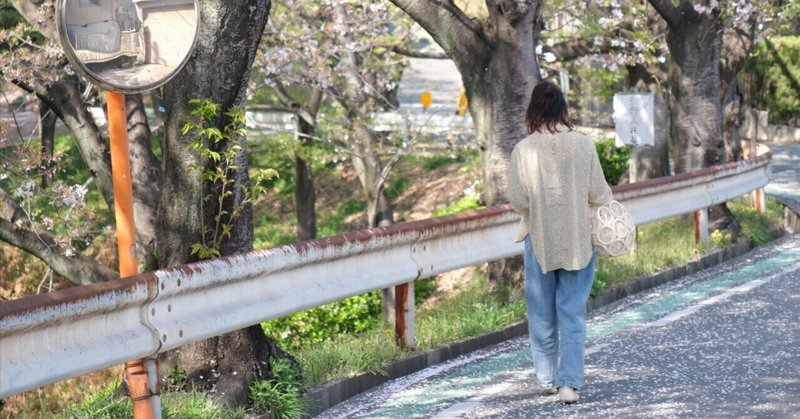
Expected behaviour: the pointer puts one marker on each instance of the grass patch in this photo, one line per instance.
(469, 313)
(184, 405)
(468, 157)
(280, 394)
(652, 253)
(465, 203)
(755, 225)
(348, 355)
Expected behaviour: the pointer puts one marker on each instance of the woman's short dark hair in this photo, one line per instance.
(547, 108)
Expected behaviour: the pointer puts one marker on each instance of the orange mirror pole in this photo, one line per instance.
(135, 370)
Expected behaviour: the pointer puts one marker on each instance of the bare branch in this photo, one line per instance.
(460, 36)
(283, 95)
(273, 108)
(578, 47)
(419, 54)
(16, 231)
(667, 10)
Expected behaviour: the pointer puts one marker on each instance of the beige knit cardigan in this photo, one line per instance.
(553, 180)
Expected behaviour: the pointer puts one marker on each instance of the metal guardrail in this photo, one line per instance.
(62, 334)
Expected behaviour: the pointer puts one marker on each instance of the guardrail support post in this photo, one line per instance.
(404, 315)
(759, 200)
(143, 400)
(701, 225)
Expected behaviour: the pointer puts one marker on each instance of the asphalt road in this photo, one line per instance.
(722, 343)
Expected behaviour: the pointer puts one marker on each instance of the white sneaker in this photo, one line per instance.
(549, 390)
(567, 394)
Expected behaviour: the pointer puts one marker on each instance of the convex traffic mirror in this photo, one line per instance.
(128, 46)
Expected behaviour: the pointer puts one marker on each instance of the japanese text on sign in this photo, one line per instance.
(633, 119)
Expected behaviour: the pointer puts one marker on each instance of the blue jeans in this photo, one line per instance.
(556, 303)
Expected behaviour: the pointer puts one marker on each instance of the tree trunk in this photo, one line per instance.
(158, 111)
(499, 70)
(379, 211)
(695, 43)
(696, 126)
(737, 42)
(305, 196)
(145, 175)
(732, 121)
(498, 97)
(64, 98)
(47, 133)
(369, 168)
(218, 70)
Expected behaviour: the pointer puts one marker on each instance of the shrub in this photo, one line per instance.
(614, 160)
(352, 315)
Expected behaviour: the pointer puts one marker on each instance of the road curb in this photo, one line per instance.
(326, 396)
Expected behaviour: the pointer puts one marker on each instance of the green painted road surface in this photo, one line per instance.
(724, 342)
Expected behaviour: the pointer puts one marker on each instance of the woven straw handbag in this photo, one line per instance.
(613, 231)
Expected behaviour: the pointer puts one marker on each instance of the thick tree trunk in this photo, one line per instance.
(696, 126)
(737, 42)
(218, 70)
(499, 70)
(695, 45)
(696, 110)
(498, 88)
(498, 98)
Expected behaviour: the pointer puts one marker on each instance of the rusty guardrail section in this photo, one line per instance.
(54, 336)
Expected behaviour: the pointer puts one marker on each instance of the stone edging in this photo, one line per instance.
(330, 394)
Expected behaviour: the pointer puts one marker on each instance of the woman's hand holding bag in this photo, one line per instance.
(613, 231)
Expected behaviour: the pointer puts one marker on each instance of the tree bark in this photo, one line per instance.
(305, 195)
(694, 40)
(47, 133)
(218, 70)
(498, 69)
(64, 98)
(695, 44)
(145, 175)
(737, 42)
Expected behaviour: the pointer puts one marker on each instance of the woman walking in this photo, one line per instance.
(555, 176)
